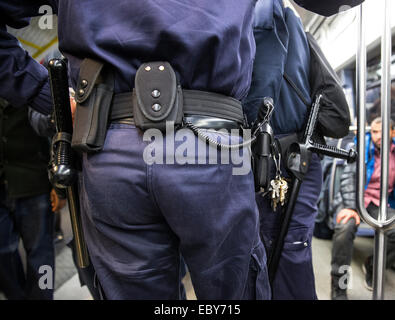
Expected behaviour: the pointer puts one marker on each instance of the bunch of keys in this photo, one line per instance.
(278, 186)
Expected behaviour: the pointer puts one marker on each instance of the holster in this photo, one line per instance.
(93, 96)
(261, 158)
(285, 142)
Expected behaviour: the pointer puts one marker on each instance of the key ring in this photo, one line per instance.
(278, 165)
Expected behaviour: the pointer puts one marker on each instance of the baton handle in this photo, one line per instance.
(60, 95)
(334, 152)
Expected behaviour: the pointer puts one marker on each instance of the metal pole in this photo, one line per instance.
(361, 105)
(380, 237)
(361, 117)
(379, 260)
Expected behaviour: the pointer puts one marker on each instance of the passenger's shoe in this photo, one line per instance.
(367, 268)
(336, 292)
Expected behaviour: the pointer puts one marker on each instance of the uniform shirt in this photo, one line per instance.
(372, 192)
(209, 44)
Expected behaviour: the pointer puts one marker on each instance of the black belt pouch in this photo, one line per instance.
(157, 97)
(93, 96)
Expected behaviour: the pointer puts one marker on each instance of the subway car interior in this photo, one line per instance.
(359, 44)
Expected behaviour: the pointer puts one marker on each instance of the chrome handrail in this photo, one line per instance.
(382, 224)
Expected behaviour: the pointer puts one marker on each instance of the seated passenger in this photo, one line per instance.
(347, 219)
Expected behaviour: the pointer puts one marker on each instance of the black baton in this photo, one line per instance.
(62, 171)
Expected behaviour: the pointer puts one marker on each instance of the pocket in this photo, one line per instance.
(295, 276)
(258, 287)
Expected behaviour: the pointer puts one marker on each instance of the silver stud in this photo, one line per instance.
(84, 83)
(147, 68)
(156, 107)
(81, 92)
(155, 93)
(305, 244)
(161, 68)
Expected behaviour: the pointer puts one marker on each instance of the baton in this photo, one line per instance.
(62, 171)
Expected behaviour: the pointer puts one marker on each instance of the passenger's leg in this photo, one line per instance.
(35, 221)
(391, 243)
(342, 249)
(374, 211)
(12, 277)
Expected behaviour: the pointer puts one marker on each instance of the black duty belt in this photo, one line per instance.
(156, 99)
(202, 109)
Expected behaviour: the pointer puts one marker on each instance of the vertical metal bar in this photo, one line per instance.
(380, 237)
(361, 114)
(379, 261)
(361, 105)
(361, 122)
(385, 110)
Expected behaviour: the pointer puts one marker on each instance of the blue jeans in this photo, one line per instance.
(29, 219)
(139, 218)
(343, 242)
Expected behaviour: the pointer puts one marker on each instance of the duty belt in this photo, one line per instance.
(157, 99)
(202, 109)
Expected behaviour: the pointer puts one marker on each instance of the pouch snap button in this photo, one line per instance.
(155, 93)
(156, 107)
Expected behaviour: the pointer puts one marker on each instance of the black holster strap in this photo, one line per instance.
(89, 72)
(195, 103)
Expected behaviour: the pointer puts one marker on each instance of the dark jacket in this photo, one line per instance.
(24, 156)
(282, 47)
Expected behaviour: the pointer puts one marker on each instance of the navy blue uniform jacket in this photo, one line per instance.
(210, 44)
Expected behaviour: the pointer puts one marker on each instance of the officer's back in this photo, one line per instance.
(211, 47)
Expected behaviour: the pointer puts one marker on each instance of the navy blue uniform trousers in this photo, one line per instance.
(295, 276)
(139, 217)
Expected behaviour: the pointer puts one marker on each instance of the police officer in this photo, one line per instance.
(138, 217)
(282, 64)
